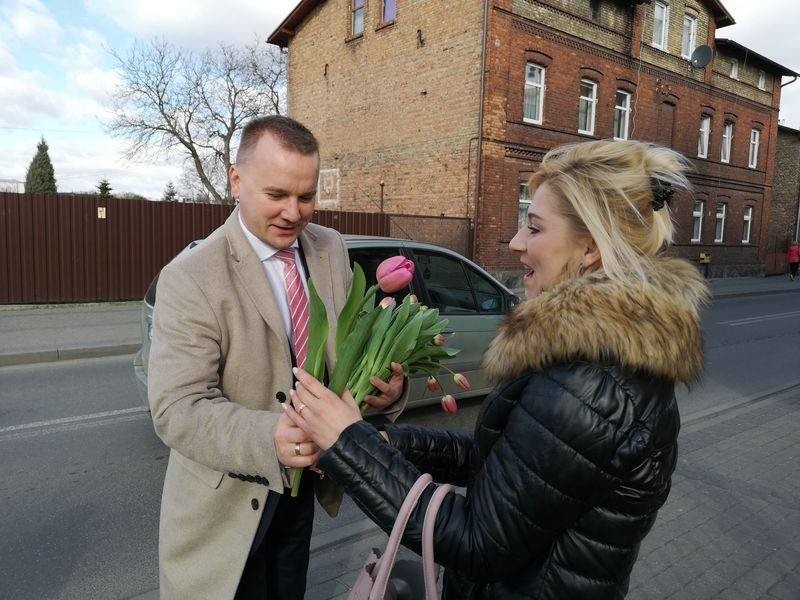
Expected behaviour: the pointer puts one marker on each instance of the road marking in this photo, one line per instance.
(760, 319)
(74, 420)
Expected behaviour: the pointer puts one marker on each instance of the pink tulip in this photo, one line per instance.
(449, 404)
(388, 302)
(394, 274)
(433, 384)
(461, 381)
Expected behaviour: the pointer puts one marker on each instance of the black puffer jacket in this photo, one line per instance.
(573, 451)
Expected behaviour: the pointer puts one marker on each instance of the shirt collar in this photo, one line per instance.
(263, 250)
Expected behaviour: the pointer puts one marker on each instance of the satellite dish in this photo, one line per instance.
(701, 56)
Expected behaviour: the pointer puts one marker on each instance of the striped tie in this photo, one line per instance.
(298, 304)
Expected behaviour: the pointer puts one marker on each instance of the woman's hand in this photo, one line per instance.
(318, 411)
(389, 390)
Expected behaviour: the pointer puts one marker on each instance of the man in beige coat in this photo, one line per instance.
(220, 363)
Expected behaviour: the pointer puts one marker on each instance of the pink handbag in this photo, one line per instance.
(374, 581)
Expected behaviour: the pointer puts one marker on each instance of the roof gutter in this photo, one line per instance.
(794, 78)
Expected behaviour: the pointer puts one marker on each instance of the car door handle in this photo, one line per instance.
(448, 331)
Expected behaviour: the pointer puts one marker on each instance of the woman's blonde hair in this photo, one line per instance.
(606, 190)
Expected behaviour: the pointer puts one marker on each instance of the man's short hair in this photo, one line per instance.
(291, 134)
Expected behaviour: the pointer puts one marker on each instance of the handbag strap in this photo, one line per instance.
(429, 566)
(393, 545)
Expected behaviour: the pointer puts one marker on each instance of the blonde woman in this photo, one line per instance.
(574, 449)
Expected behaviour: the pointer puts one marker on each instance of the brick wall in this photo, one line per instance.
(513, 148)
(783, 219)
(399, 104)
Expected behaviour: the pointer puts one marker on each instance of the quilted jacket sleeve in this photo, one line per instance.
(449, 456)
(543, 472)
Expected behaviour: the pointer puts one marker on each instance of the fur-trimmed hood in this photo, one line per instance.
(652, 326)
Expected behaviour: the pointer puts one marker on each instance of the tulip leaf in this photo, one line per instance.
(317, 334)
(355, 297)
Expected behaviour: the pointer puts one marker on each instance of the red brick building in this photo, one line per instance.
(784, 219)
(446, 108)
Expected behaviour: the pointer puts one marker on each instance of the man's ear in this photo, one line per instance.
(591, 254)
(233, 175)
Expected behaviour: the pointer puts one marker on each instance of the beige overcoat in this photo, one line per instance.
(219, 356)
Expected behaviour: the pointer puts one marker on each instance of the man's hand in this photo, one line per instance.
(390, 390)
(293, 446)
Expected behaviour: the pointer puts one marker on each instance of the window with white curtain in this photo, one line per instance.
(534, 93)
(705, 135)
(622, 115)
(689, 40)
(719, 229)
(734, 68)
(748, 222)
(660, 25)
(727, 139)
(697, 220)
(762, 80)
(524, 205)
(755, 140)
(586, 109)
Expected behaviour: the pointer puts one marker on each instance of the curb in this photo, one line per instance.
(43, 356)
(753, 293)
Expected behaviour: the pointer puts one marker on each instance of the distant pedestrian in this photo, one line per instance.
(575, 447)
(793, 258)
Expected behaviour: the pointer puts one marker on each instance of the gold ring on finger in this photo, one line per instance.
(297, 449)
(300, 409)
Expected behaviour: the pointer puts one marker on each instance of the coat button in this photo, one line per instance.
(254, 503)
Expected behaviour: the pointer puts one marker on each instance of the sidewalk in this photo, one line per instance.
(31, 333)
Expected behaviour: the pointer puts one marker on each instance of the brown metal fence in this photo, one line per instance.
(65, 248)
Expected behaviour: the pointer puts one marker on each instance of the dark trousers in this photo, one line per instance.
(793, 269)
(278, 562)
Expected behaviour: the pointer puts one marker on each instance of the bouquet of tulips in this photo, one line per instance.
(370, 337)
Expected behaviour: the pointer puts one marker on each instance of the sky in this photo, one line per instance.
(56, 74)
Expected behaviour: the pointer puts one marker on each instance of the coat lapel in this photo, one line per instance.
(250, 274)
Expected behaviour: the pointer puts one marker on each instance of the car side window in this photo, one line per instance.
(490, 299)
(447, 282)
(369, 259)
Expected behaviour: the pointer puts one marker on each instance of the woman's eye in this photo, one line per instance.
(533, 229)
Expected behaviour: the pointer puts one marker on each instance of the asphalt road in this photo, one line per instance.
(82, 468)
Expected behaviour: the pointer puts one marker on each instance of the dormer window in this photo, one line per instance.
(734, 68)
(762, 80)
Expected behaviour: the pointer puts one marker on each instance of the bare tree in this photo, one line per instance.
(171, 99)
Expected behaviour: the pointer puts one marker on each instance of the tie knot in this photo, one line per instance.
(286, 255)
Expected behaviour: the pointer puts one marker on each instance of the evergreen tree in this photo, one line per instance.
(170, 193)
(104, 188)
(40, 178)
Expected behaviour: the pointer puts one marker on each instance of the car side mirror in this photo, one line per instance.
(513, 300)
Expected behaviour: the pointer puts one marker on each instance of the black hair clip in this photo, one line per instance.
(662, 192)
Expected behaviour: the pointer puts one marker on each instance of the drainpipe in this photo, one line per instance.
(479, 152)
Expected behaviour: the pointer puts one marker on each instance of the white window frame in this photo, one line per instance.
(524, 205)
(357, 15)
(719, 223)
(697, 220)
(762, 80)
(705, 136)
(537, 119)
(662, 42)
(748, 224)
(688, 48)
(591, 106)
(622, 111)
(755, 141)
(727, 142)
(734, 68)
